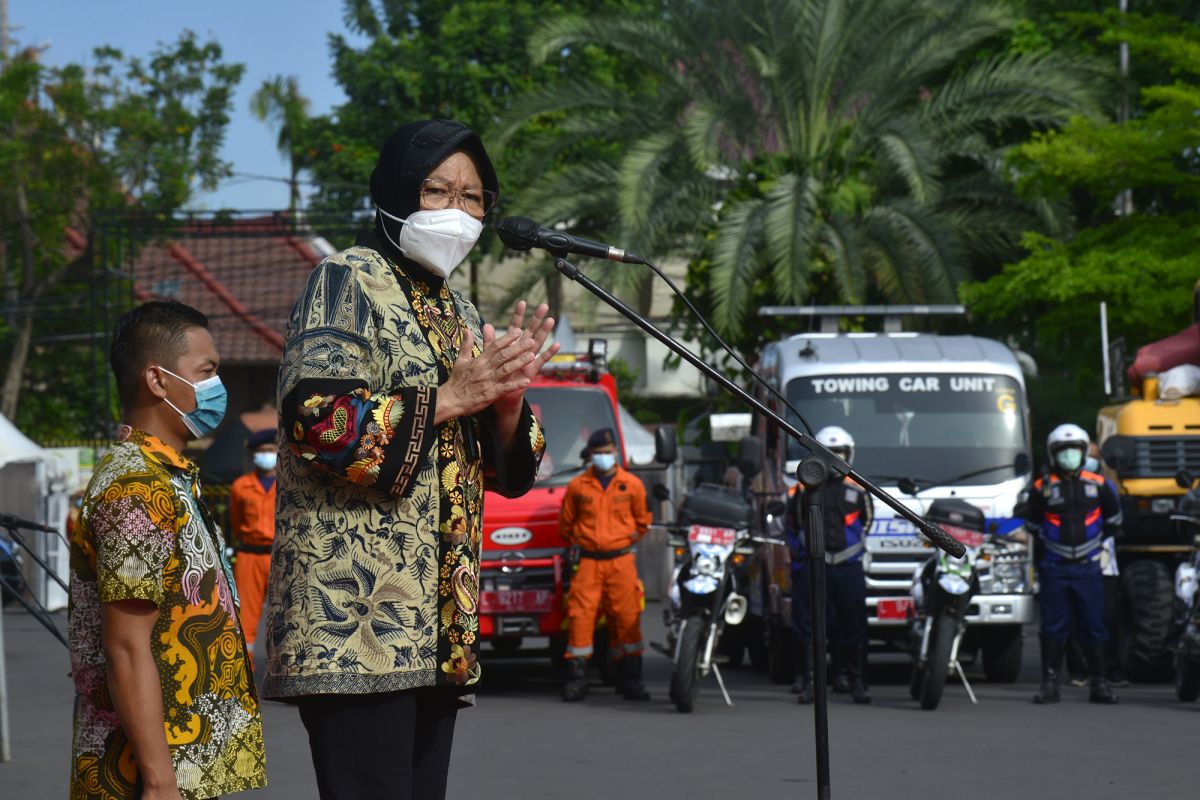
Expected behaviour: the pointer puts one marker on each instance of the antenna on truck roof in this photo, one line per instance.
(830, 315)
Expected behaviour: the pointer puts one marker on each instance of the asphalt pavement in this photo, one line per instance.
(521, 741)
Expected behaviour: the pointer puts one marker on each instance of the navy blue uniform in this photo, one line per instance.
(847, 520)
(1071, 516)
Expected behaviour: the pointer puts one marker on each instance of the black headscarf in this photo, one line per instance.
(407, 158)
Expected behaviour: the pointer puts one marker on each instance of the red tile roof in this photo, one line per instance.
(244, 274)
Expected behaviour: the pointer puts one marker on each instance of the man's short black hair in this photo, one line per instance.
(154, 332)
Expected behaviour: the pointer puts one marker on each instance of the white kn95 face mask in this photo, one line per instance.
(437, 240)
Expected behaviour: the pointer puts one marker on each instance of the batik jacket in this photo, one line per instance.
(375, 570)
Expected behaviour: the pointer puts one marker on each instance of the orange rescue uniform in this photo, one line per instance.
(252, 514)
(603, 522)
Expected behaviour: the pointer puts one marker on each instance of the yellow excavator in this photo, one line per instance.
(1146, 440)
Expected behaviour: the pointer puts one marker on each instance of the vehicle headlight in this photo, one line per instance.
(954, 584)
(1008, 577)
(706, 565)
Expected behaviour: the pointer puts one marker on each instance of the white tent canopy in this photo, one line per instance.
(32, 486)
(16, 446)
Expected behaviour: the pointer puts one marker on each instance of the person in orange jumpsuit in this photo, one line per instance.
(252, 514)
(604, 514)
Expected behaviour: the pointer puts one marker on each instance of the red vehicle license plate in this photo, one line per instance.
(893, 609)
(706, 535)
(518, 601)
(968, 538)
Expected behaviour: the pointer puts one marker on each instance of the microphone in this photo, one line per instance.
(9, 521)
(522, 233)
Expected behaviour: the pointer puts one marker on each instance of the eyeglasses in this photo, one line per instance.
(437, 195)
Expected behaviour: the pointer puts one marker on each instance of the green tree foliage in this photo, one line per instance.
(808, 150)
(1048, 304)
(465, 60)
(1144, 264)
(278, 100)
(429, 59)
(127, 133)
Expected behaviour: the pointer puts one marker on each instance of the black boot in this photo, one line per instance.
(1101, 692)
(803, 687)
(856, 667)
(1052, 653)
(576, 686)
(632, 687)
(841, 672)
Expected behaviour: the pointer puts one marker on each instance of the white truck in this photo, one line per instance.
(944, 415)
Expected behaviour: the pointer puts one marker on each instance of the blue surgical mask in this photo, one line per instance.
(1091, 464)
(266, 461)
(211, 401)
(603, 462)
(1069, 459)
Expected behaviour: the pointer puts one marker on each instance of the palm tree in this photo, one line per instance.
(279, 102)
(839, 150)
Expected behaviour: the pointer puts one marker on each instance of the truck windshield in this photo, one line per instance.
(929, 427)
(569, 415)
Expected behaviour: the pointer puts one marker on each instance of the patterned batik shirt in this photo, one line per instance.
(375, 571)
(144, 534)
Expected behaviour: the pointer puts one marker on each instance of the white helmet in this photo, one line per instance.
(1067, 435)
(836, 438)
(1067, 447)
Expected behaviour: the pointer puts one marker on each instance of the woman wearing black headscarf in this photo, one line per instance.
(398, 408)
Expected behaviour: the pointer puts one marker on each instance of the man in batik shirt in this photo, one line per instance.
(165, 707)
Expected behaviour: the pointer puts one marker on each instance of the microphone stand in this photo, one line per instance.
(818, 468)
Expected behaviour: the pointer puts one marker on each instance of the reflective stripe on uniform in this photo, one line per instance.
(580, 652)
(1073, 553)
(842, 556)
(633, 648)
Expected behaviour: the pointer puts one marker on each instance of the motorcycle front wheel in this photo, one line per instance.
(938, 666)
(685, 673)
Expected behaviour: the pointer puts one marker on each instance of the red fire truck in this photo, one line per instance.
(524, 572)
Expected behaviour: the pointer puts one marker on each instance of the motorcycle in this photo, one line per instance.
(1187, 598)
(708, 588)
(941, 591)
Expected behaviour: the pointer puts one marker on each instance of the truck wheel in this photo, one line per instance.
(602, 656)
(1146, 610)
(732, 644)
(916, 681)
(938, 666)
(780, 643)
(558, 650)
(685, 672)
(756, 645)
(507, 644)
(1002, 650)
(1187, 678)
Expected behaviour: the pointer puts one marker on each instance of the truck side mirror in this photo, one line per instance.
(665, 449)
(1119, 452)
(1184, 479)
(1021, 463)
(660, 492)
(750, 456)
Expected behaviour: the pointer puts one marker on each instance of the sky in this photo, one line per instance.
(269, 37)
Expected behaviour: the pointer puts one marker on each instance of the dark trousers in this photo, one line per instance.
(393, 746)
(1072, 591)
(845, 601)
(1076, 663)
